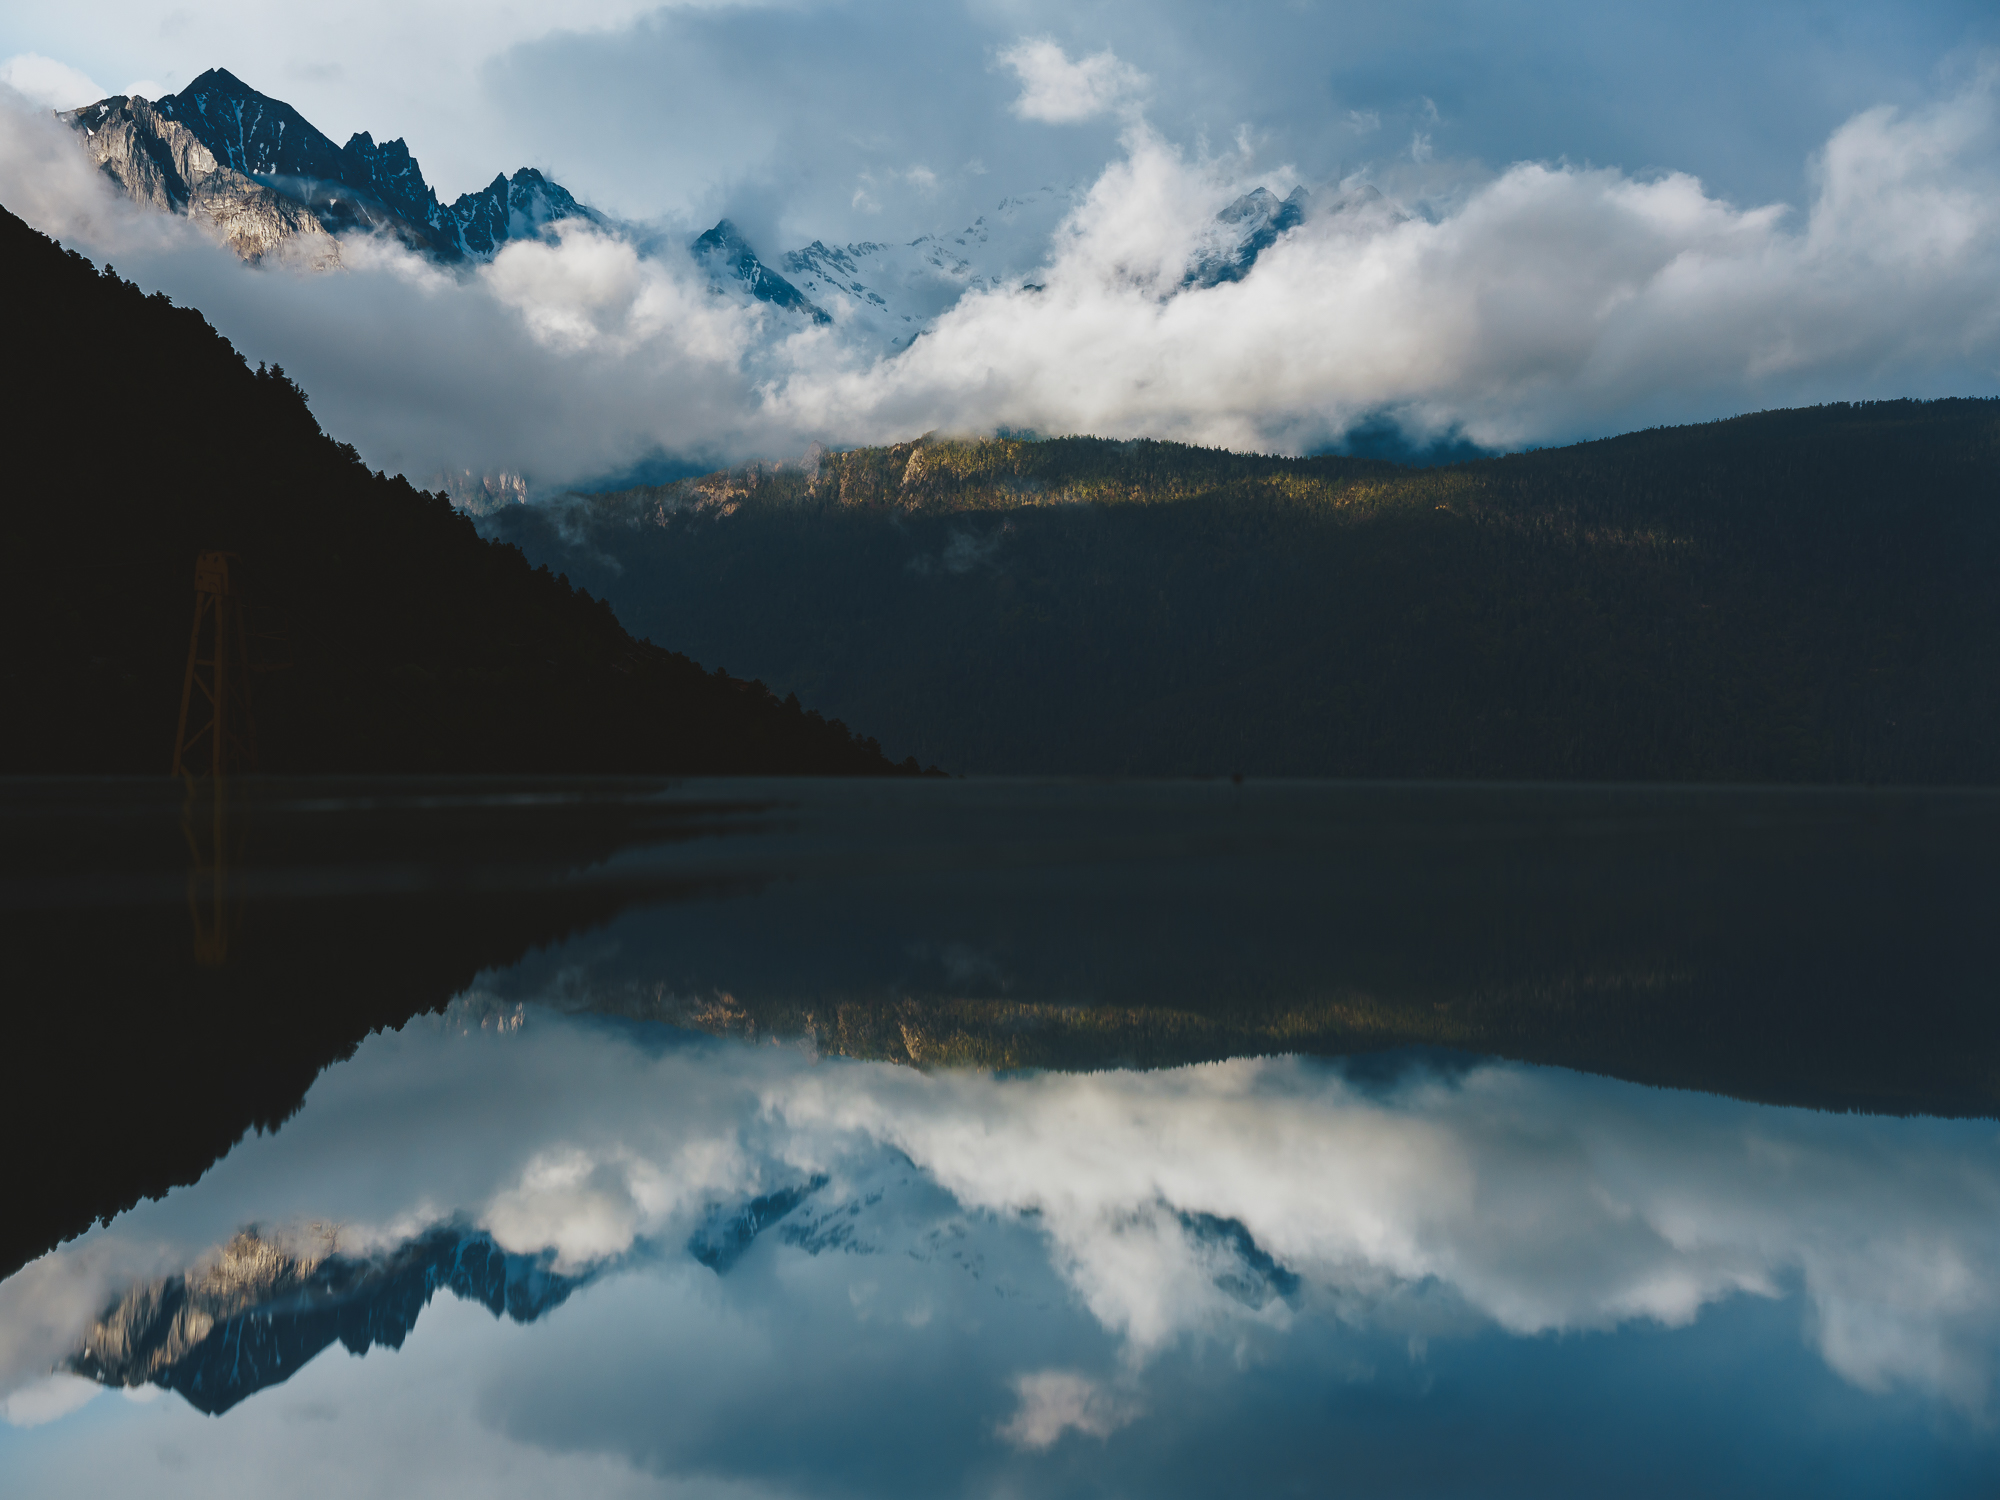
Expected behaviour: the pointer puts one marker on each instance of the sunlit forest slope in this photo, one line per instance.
(1798, 595)
(136, 437)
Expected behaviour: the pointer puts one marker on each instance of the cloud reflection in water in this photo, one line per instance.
(935, 1282)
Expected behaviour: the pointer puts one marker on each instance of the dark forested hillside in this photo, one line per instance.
(136, 437)
(1792, 596)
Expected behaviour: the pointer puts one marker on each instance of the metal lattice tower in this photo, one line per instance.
(222, 676)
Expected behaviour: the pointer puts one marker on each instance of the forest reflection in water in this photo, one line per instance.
(831, 1276)
(1028, 1138)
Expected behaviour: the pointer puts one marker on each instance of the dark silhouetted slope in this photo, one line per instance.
(137, 437)
(134, 1054)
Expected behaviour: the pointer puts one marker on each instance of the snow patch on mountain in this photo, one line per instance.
(1243, 231)
(733, 265)
(272, 177)
(884, 295)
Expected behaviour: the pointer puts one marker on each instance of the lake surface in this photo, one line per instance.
(999, 1138)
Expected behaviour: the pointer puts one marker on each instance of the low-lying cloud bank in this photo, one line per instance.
(1192, 1207)
(1549, 302)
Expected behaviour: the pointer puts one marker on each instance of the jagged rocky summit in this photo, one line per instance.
(729, 256)
(255, 1312)
(160, 162)
(270, 183)
(272, 186)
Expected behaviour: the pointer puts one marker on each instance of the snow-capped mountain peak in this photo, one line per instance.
(729, 259)
(885, 293)
(268, 182)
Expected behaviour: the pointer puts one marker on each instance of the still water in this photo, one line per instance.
(1002, 1139)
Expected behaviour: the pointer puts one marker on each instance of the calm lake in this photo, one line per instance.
(995, 1138)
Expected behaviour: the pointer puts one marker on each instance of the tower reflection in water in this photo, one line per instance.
(215, 849)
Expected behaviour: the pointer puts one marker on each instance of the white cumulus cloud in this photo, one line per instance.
(1061, 92)
(53, 84)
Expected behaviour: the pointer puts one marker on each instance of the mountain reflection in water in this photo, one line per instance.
(1011, 1139)
(1067, 1282)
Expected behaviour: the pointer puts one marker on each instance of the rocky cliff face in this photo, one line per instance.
(160, 162)
(273, 183)
(360, 186)
(257, 1310)
(481, 494)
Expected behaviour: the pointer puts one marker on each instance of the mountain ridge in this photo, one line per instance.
(362, 186)
(280, 188)
(1786, 596)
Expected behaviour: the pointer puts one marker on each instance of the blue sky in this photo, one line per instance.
(659, 110)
